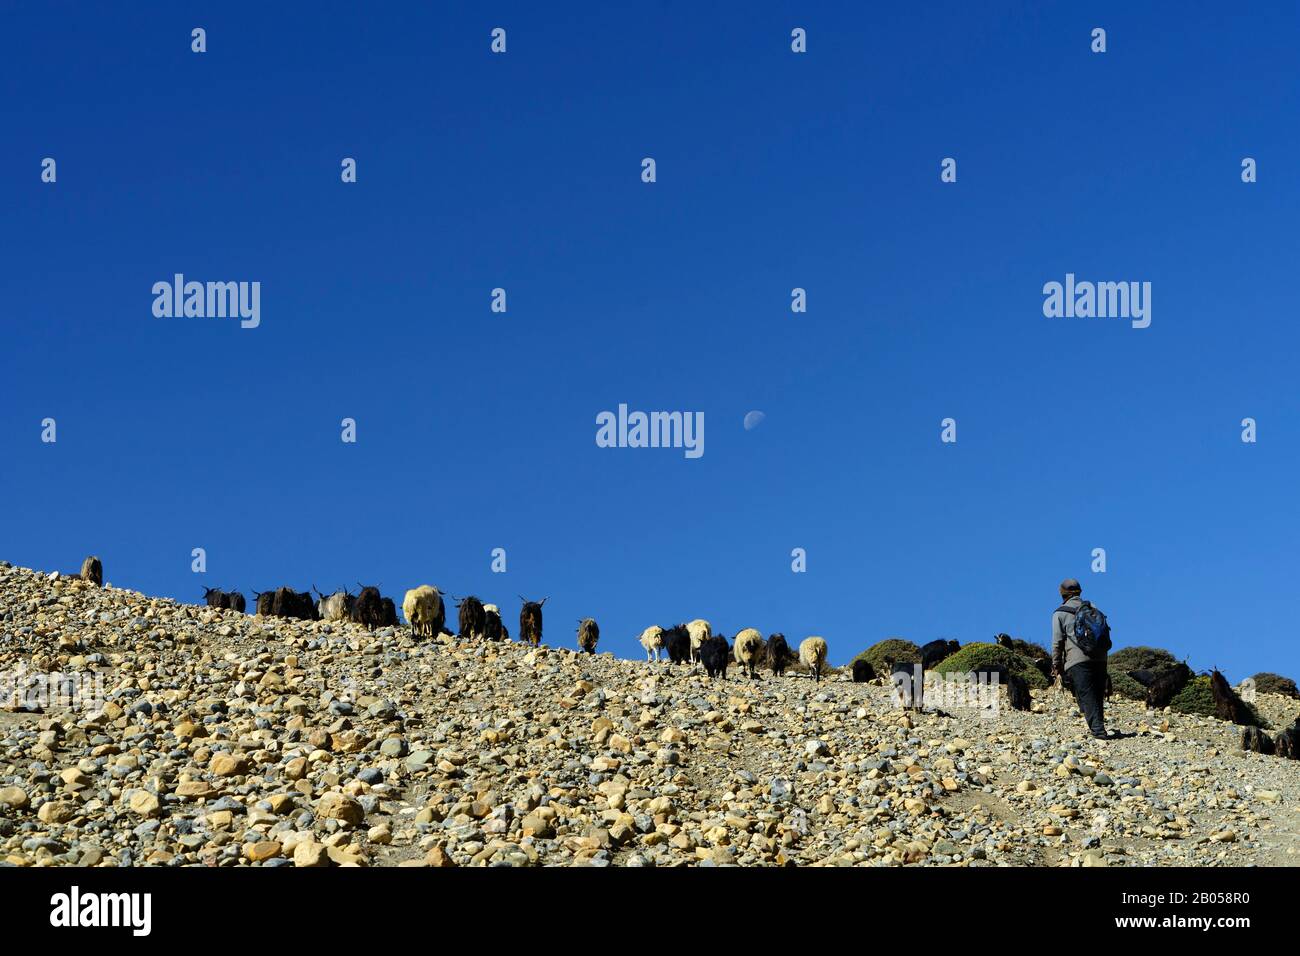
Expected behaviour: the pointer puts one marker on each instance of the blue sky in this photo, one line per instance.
(476, 430)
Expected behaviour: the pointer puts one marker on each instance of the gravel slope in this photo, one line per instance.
(232, 740)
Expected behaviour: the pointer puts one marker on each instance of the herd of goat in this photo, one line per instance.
(696, 643)
(423, 606)
(426, 614)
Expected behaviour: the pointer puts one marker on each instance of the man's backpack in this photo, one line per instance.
(1091, 632)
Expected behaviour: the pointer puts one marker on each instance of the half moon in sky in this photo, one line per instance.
(753, 420)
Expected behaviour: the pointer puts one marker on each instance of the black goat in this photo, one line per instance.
(1166, 684)
(1018, 695)
(1018, 692)
(286, 602)
(1144, 677)
(492, 627)
(779, 655)
(530, 621)
(677, 644)
(715, 654)
(264, 602)
(472, 618)
(228, 600)
(368, 611)
(863, 672)
(936, 652)
(909, 684)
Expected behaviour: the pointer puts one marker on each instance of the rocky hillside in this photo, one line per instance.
(230, 740)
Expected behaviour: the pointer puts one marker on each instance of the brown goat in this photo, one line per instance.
(588, 635)
(1288, 742)
(530, 621)
(1227, 705)
(92, 570)
(1256, 741)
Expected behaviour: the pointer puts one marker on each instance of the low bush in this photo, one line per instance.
(973, 657)
(889, 651)
(1141, 659)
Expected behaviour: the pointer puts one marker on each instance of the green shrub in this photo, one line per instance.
(1125, 686)
(974, 656)
(1030, 649)
(1267, 683)
(1141, 659)
(1195, 698)
(893, 649)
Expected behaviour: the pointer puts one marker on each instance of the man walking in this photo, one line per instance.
(1080, 640)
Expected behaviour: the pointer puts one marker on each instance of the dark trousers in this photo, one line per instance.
(1088, 681)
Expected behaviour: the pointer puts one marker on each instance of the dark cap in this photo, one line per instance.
(1071, 586)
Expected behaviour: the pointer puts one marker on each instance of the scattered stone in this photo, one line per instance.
(145, 804)
(227, 739)
(228, 765)
(339, 806)
(263, 850)
(310, 853)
